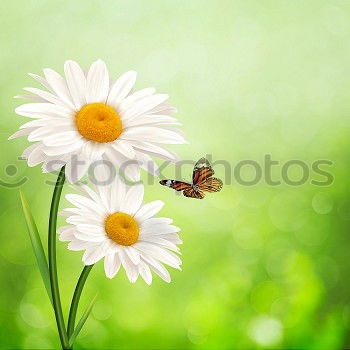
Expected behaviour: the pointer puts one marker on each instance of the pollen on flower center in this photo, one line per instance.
(122, 228)
(98, 122)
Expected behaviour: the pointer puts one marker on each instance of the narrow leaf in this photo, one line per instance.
(82, 321)
(36, 245)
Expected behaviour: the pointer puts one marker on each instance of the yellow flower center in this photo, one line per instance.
(98, 122)
(122, 228)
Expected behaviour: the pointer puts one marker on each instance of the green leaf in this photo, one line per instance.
(37, 245)
(82, 321)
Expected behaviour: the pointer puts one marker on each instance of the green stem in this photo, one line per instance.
(76, 297)
(52, 260)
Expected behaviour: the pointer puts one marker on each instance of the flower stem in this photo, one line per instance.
(52, 260)
(76, 297)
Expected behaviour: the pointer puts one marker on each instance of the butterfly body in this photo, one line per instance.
(202, 181)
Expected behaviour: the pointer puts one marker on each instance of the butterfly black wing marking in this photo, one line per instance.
(188, 190)
(176, 185)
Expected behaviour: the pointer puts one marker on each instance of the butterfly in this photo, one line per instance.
(202, 180)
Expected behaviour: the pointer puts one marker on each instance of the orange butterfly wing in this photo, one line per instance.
(202, 170)
(212, 184)
(190, 192)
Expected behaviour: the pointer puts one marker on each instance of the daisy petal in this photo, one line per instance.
(118, 192)
(76, 82)
(75, 170)
(46, 96)
(42, 110)
(93, 255)
(133, 200)
(153, 221)
(155, 150)
(81, 245)
(22, 132)
(147, 163)
(130, 167)
(124, 148)
(121, 88)
(148, 210)
(145, 120)
(83, 202)
(40, 133)
(82, 218)
(152, 134)
(130, 269)
(97, 83)
(28, 150)
(67, 234)
(158, 268)
(36, 156)
(144, 105)
(162, 243)
(41, 80)
(158, 253)
(158, 229)
(61, 138)
(59, 86)
(133, 254)
(145, 272)
(59, 150)
(93, 150)
(134, 97)
(90, 229)
(30, 97)
(112, 264)
(172, 237)
(103, 176)
(163, 109)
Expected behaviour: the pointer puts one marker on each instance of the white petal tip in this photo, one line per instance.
(99, 61)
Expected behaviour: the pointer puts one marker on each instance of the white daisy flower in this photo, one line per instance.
(85, 117)
(113, 223)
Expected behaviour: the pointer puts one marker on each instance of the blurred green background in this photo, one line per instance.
(263, 266)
